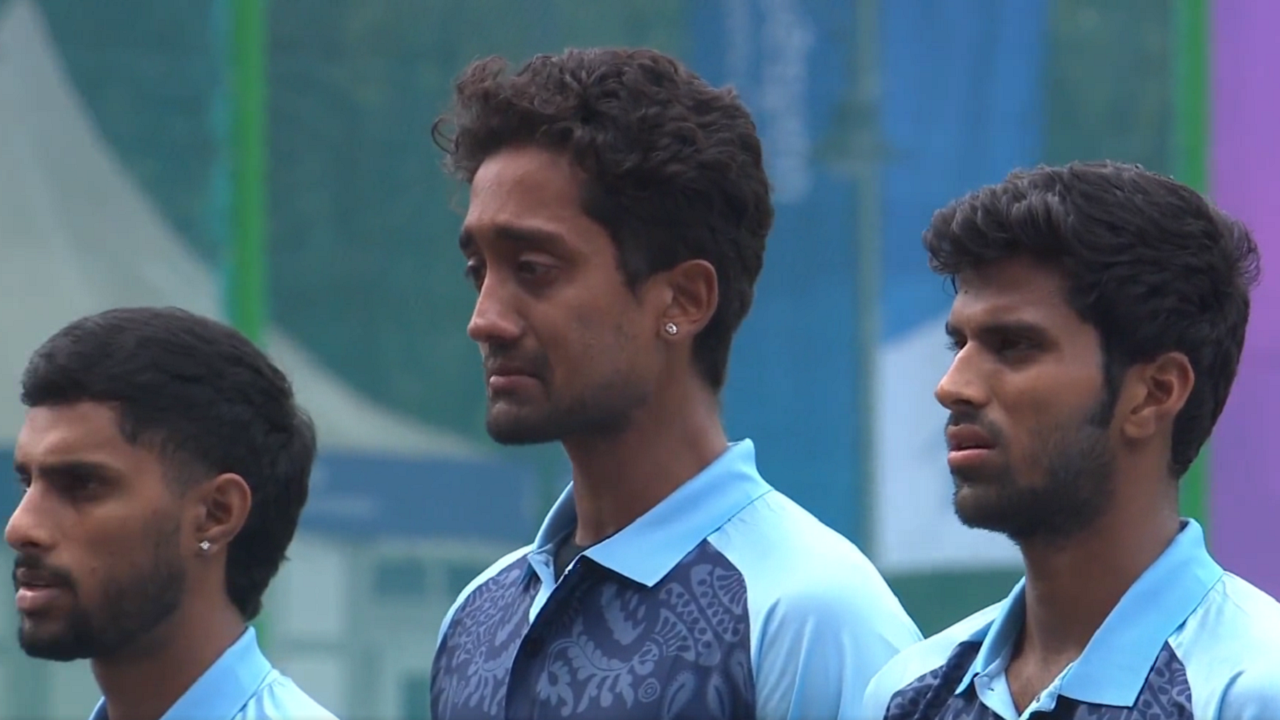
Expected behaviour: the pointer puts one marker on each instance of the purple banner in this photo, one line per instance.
(1245, 481)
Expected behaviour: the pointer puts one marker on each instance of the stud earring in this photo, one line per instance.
(205, 546)
(671, 328)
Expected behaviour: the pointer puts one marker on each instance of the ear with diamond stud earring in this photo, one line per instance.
(205, 546)
(671, 329)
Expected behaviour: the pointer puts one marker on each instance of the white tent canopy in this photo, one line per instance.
(78, 236)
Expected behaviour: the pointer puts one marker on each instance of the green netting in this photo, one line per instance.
(363, 263)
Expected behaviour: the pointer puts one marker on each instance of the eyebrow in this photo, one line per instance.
(71, 470)
(513, 235)
(1008, 327)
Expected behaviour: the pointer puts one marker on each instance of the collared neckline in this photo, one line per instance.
(647, 549)
(223, 689)
(1115, 664)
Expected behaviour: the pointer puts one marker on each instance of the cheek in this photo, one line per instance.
(1027, 407)
(97, 567)
(1043, 412)
(117, 551)
(597, 334)
(589, 350)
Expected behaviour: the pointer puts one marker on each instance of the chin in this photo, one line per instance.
(505, 429)
(1022, 523)
(61, 647)
(520, 436)
(985, 509)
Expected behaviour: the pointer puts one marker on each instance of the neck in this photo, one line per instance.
(143, 681)
(618, 478)
(1072, 586)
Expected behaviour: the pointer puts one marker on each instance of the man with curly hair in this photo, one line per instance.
(1099, 317)
(616, 227)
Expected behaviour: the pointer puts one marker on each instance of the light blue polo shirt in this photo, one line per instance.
(240, 685)
(726, 600)
(1188, 640)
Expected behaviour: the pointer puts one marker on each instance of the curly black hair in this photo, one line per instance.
(1152, 265)
(674, 168)
(208, 401)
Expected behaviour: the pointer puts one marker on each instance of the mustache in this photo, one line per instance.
(503, 359)
(975, 419)
(54, 577)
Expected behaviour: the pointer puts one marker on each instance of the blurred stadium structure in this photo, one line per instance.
(113, 191)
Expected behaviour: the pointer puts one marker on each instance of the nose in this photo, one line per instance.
(494, 321)
(962, 386)
(27, 530)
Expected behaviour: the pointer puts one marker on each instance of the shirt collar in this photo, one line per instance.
(1114, 665)
(223, 689)
(647, 549)
(996, 636)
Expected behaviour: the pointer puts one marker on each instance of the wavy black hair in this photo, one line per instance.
(674, 167)
(1152, 265)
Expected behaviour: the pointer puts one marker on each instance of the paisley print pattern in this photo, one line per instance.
(1166, 695)
(931, 695)
(603, 647)
(472, 665)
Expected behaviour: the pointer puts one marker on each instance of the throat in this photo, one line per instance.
(565, 554)
(1030, 676)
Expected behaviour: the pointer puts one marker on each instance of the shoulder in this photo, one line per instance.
(1230, 650)
(1235, 622)
(509, 566)
(1253, 694)
(929, 655)
(822, 619)
(279, 698)
(923, 659)
(799, 570)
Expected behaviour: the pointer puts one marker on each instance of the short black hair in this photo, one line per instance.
(674, 167)
(1152, 265)
(209, 401)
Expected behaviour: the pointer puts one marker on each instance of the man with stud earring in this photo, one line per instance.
(164, 464)
(616, 227)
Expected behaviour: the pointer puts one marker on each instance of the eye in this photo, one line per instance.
(1014, 345)
(79, 487)
(955, 345)
(535, 273)
(532, 270)
(474, 272)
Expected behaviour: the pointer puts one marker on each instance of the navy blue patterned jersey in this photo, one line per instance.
(727, 601)
(1187, 641)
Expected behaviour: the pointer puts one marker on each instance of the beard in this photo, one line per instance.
(133, 604)
(601, 408)
(1074, 491)
(603, 411)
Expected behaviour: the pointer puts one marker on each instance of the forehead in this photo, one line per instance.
(527, 192)
(1017, 290)
(87, 431)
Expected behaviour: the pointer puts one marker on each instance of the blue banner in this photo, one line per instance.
(795, 375)
(961, 105)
